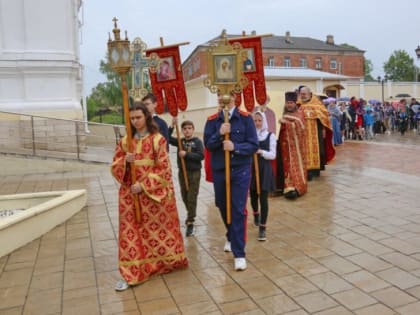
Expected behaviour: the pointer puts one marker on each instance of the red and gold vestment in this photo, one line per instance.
(154, 245)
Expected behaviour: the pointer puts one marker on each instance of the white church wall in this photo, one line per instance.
(40, 71)
(39, 58)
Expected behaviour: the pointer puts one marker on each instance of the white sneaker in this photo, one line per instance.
(227, 247)
(240, 264)
(121, 285)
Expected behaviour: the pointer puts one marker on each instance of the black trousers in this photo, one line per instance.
(263, 204)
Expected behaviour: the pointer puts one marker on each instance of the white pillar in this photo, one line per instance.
(319, 86)
(39, 58)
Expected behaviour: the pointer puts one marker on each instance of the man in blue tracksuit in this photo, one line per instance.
(242, 145)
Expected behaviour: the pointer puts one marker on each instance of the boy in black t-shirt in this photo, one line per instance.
(193, 153)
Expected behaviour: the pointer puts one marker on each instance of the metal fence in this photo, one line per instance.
(39, 136)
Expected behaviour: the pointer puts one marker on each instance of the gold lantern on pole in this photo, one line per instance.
(120, 62)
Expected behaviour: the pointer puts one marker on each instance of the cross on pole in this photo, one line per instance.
(140, 65)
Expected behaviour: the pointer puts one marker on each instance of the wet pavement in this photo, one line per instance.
(350, 246)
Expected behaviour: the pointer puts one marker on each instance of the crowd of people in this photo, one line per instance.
(359, 119)
(243, 158)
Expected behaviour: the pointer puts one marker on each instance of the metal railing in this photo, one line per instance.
(47, 137)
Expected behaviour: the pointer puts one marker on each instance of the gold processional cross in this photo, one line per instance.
(140, 66)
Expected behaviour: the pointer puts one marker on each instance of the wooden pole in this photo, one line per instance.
(183, 167)
(167, 46)
(227, 171)
(257, 174)
(130, 142)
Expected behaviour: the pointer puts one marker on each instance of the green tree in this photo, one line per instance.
(368, 67)
(105, 95)
(400, 66)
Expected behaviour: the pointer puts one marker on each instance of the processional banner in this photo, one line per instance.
(253, 69)
(168, 81)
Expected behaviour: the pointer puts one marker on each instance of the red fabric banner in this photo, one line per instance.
(168, 80)
(253, 68)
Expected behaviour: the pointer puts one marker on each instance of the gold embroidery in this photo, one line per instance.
(312, 145)
(164, 182)
(153, 197)
(144, 162)
(302, 168)
(151, 260)
(124, 144)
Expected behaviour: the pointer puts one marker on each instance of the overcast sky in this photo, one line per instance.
(377, 26)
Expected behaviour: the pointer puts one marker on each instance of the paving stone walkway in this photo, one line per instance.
(350, 246)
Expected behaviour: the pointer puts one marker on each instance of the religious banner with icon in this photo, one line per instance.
(225, 76)
(225, 67)
(168, 81)
(253, 69)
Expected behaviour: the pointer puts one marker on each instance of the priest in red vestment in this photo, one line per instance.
(291, 147)
(153, 245)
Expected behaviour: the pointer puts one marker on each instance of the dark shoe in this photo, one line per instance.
(257, 219)
(190, 230)
(261, 234)
(291, 194)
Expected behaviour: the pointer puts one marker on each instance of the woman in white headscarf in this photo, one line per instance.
(266, 153)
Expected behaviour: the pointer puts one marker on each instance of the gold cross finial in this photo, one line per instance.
(223, 37)
(116, 30)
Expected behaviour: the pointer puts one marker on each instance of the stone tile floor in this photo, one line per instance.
(350, 246)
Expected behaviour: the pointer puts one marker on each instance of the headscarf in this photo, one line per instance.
(262, 133)
(334, 110)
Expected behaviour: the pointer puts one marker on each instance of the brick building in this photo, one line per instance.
(305, 52)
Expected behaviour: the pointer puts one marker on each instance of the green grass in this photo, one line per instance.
(112, 118)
